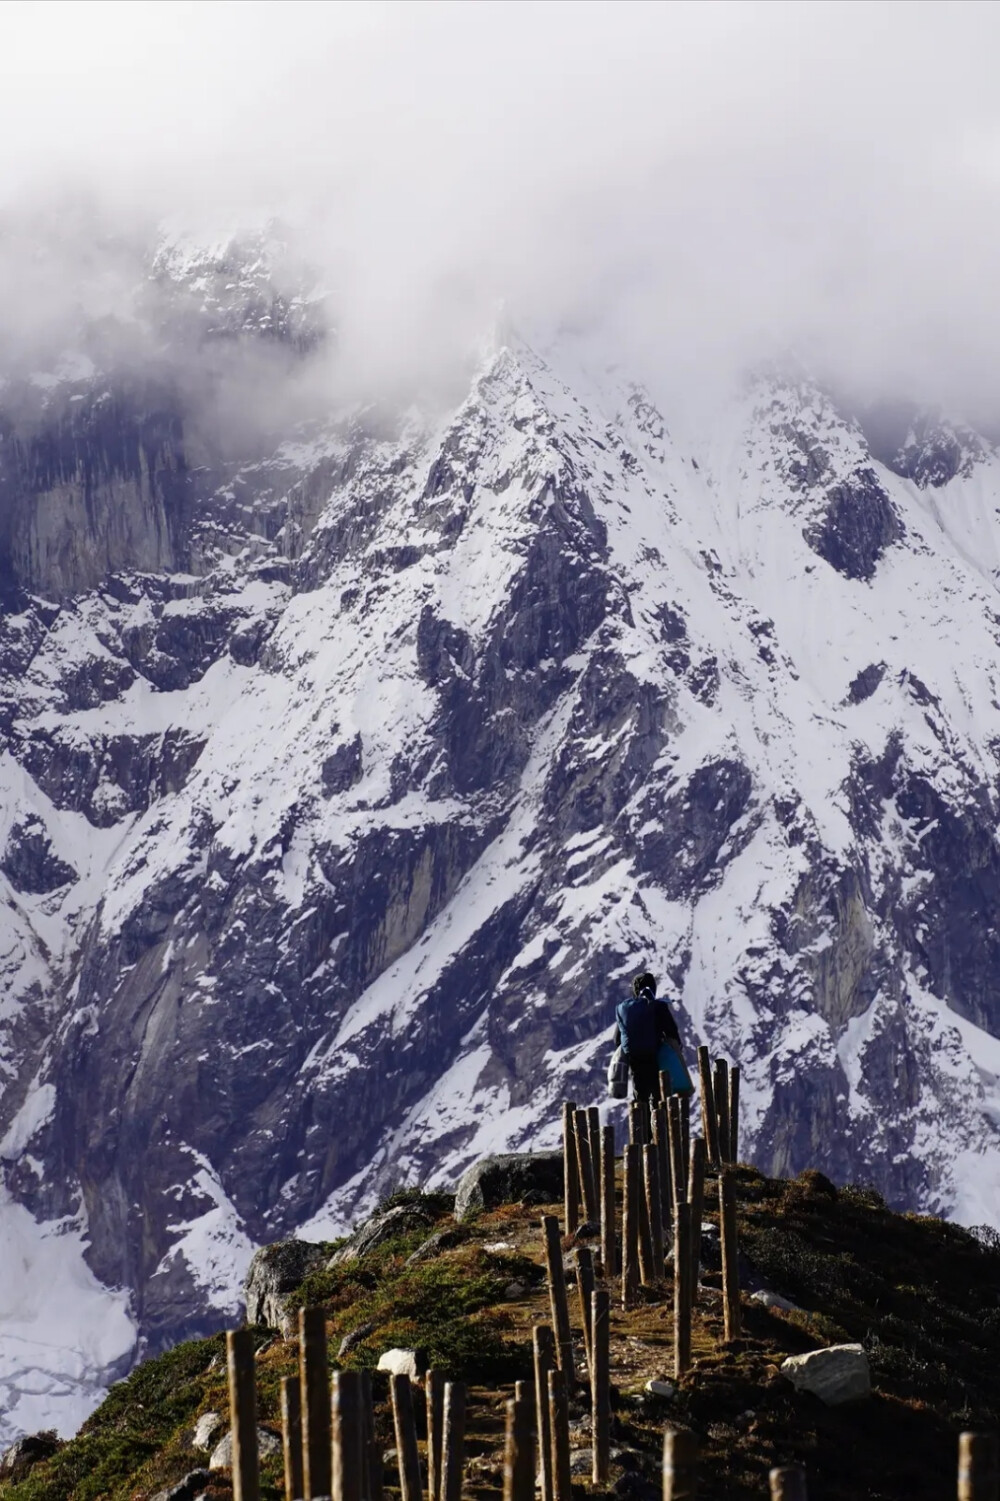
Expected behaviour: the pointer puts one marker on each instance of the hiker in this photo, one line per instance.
(650, 1043)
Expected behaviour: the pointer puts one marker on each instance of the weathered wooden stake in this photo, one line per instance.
(709, 1115)
(571, 1173)
(680, 1465)
(434, 1398)
(609, 1254)
(519, 1453)
(558, 1299)
(453, 1442)
(722, 1108)
(559, 1429)
(654, 1210)
(978, 1467)
(696, 1200)
(730, 1255)
(636, 1123)
(677, 1173)
(347, 1437)
(594, 1127)
(685, 1108)
(585, 1167)
(788, 1484)
(585, 1287)
(661, 1138)
(647, 1267)
(544, 1343)
(600, 1386)
(373, 1478)
(734, 1113)
(682, 1289)
(315, 1390)
(630, 1227)
(291, 1436)
(405, 1424)
(243, 1414)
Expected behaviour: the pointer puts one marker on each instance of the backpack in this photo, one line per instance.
(636, 1019)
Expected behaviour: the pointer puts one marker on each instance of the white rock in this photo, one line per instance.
(402, 1363)
(839, 1373)
(206, 1429)
(658, 1388)
(222, 1454)
(774, 1300)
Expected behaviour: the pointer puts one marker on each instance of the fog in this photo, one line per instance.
(697, 187)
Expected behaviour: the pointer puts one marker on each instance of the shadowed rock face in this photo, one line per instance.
(339, 817)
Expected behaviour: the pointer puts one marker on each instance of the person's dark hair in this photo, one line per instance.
(644, 982)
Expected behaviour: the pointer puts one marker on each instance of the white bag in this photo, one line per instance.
(618, 1075)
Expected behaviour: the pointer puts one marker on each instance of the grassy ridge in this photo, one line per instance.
(923, 1296)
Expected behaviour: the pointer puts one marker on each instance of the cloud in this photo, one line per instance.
(707, 184)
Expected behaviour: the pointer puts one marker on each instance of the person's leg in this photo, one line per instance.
(646, 1087)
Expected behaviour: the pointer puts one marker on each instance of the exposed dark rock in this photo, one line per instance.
(342, 768)
(506, 1178)
(29, 862)
(866, 682)
(188, 1489)
(274, 1272)
(400, 1220)
(355, 1337)
(20, 1459)
(441, 1240)
(858, 525)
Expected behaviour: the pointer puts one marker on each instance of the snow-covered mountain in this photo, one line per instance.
(346, 783)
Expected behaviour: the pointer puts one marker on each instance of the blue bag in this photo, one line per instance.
(670, 1062)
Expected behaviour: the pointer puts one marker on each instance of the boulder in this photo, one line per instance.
(412, 1363)
(222, 1455)
(380, 1228)
(354, 1337)
(658, 1388)
(507, 1178)
(441, 1240)
(26, 1452)
(188, 1489)
(206, 1430)
(768, 1299)
(837, 1374)
(274, 1272)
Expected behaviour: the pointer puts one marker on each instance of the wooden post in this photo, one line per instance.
(243, 1414)
(630, 1227)
(453, 1442)
(654, 1211)
(594, 1133)
(788, 1484)
(978, 1467)
(722, 1108)
(677, 1172)
(682, 1290)
(734, 1113)
(685, 1109)
(709, 1115)
(405, 1425)
(680, 1465)
(291, 1436)
(636, 1123)
(558, 1300)
(347, 1437)
(373, 1450)
(696, 1200)
(730, 1254)
(585, 1166)
(661, 1138)
(315, 1384)
(571, 1175)
(600, 1386)
(519, 1453)
(559, 1428)
(543, 1341)
(585, 1288)
(647, 1267)
(609, 1255)
(434, 1398)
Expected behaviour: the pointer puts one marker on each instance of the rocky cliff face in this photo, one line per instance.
(346, 786)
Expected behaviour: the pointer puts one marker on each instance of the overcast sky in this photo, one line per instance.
(712, 183)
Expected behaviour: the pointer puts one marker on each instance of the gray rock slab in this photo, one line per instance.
(206, 1430)
(506, 1178)
(188, 1489)
(274, 1272)
(222, 1455)
(380, 1228)
(840, 1373)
